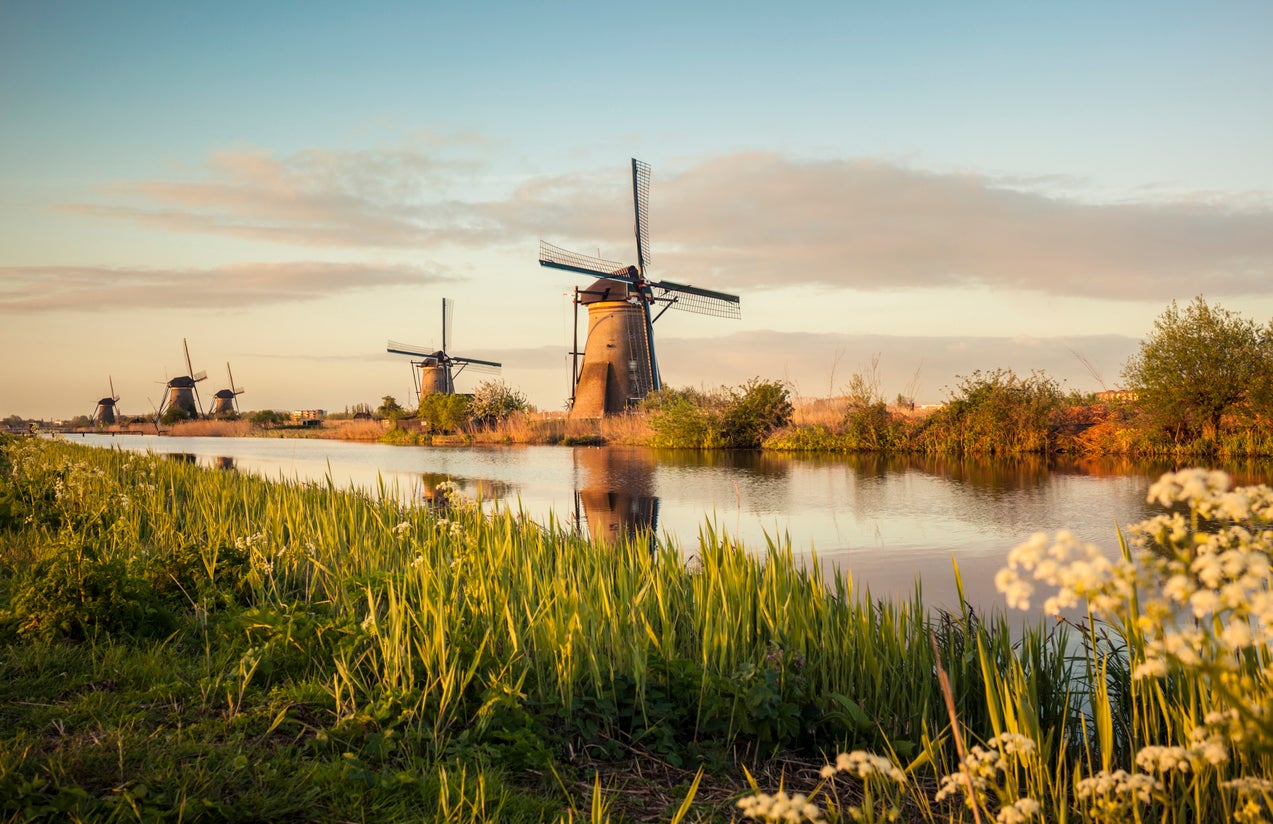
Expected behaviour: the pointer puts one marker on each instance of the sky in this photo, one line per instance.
(909, 192)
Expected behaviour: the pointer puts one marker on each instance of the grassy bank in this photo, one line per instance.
(186, 644)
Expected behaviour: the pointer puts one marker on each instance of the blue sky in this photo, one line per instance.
(948, 187)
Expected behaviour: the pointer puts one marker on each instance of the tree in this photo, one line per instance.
(266, 417)
(494, 401)
(444, 411)
(1197, 365)
(174, 414)
(390, 408)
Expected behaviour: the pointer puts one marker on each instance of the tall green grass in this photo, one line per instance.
(399, 657)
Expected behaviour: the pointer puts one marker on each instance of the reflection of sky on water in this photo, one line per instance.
(885, 520)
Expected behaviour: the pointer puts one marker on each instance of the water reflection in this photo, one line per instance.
(225, 462)
(616, 492)
(438, 489)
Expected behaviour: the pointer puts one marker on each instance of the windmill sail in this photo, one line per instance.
(641, 207)
(558, 258)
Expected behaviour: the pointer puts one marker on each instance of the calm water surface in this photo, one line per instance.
(887, 522)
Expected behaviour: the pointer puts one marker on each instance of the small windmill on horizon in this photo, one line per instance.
(105, 413)
(226, 401)
(434, 372)
(619, 365)
(183, 390)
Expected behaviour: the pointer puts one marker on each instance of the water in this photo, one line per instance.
(888, 522)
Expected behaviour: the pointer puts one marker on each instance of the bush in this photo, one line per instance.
(995, 413)
(174, 414)
(494, 401)
(731, 418)
(444, 412)
(266, 417)
(682, 418)
(754, 412)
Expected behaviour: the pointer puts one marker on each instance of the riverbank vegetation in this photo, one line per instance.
(1200, 386)
(186, 644)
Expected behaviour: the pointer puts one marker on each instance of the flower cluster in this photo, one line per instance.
(780, 807)
(1113, 795)
(1079, 571)
(864, 765)
(986, 770)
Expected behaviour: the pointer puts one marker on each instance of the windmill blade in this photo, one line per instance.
(230, 374)
(201, 376)
(479, 365)
(396, 348)
(114, 397)
(189, 368)
(558, 258)
(696, 300)
(641, 206)
(448, 312)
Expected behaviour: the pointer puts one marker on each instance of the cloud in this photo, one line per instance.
(31, 289)
(763, 220)
(819, 364)
(739, 221)
(313, 198)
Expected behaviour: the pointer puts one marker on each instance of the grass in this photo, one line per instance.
(185, 643)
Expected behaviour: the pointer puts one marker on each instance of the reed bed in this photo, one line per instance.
(202, 645)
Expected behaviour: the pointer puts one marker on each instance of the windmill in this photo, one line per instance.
(183, 392)
(105, 411)
(437, 370)
(619, 366)
(226, 401)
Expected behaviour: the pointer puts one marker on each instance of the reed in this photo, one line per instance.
(375, 645)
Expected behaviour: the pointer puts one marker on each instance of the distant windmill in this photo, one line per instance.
(105, 411)
(619, 366)
(226, 401)
(437, 370)
(182, 390)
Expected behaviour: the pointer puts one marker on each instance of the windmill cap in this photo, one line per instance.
(604, 289)
(182, 382)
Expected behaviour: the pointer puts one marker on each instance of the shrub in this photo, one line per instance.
(494, 401)
(995, 412)
(682, 418)
(174, 414)
(754, 412)
(444, 412)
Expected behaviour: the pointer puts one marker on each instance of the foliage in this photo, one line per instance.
(995, 412)
(732, 418)
(174, 414)
(494, 401)
(754, 411)
(444, 411)
(1199, 364)
(267, 417)
(347, 656)
(390, 409)
(683, 418)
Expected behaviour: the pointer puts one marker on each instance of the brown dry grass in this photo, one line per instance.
(555, 427)
(210, 429)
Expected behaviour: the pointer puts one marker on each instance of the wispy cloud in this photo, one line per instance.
(741, 221)
(28, 289)
(927, 367)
